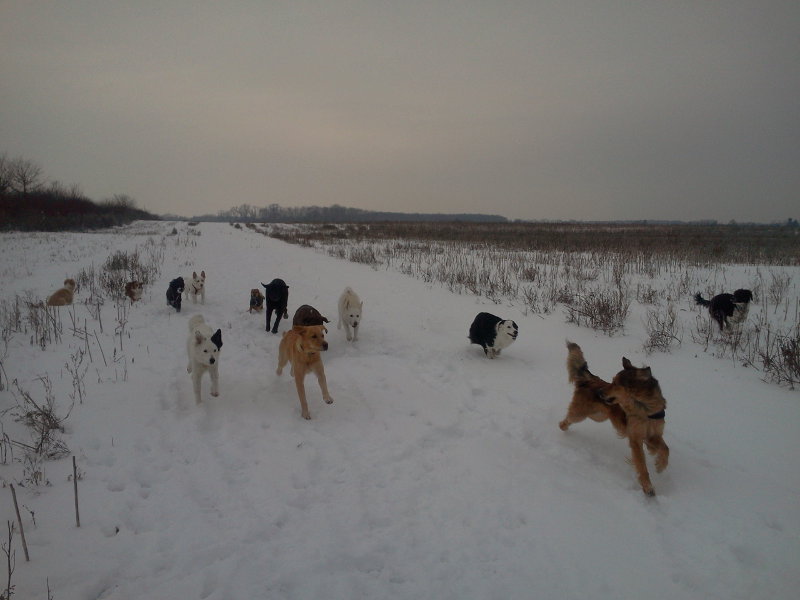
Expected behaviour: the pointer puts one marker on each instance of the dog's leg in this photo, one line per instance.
(214, 373)
(203, 296)
(196, 375)
(319, 370)
(637, 457)
(349, 333)
(301, 393)
(282, 360)
(355, 333)
(277, 320)
(659, 448)
(269, 316)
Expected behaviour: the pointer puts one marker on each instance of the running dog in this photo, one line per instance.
(63, 296)
(727, 309)
(133, 290)
(203, 348)
(277, 298)
(301, 346)
(350, 308)
(256, 300)
(174, 292)
(308, 315)
(196, 287)
(492, 333)
(632, 402)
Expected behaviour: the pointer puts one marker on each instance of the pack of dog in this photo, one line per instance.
(64, 295)
(632, 401)
(727, 309)
(276, 293)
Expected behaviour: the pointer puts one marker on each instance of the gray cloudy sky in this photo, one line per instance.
(662, 109)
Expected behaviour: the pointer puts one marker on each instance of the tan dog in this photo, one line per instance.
(133, 290)
(301, 346)
(256, 300)
(63, 296)
(632, 402)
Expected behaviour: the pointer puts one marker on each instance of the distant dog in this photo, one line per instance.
(492, 333)
(632, 402)
(727, 309)
(203, 348)
(133, 290)
(301, 346)
(174, 292)
(277, 298)
(308, 315)
(63, 296)
(350, 308)
(256, 300)
(196, 287)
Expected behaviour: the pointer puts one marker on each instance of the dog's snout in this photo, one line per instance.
(211, 361)
(324, 345)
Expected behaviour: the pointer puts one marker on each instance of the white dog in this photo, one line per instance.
(350, 307)
(196, 286)
(203, 347)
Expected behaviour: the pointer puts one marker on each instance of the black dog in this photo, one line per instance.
(727, 308)
(277, 296)
(492, 333)
(307, 315)
(174, 292)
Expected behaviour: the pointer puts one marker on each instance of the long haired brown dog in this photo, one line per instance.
(301, 346)
(63, 296)
(632, 402)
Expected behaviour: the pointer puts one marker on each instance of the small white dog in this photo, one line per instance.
(350, 307)
(203, 347)
(196, 286)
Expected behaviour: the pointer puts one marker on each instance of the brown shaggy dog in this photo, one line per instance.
(301, 346)
(632, 402)
(63, 296)
(133, 290)
(256, 300)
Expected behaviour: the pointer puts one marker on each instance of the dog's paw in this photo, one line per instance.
(307, 416)
(564, 425)
(328, 400)
(189, 369)
(349, 338)
(279, 372)
(215, 394)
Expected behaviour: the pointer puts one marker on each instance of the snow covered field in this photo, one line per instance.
(436, 473)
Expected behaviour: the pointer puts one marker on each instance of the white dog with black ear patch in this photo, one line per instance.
(203, 347)
(350, 307)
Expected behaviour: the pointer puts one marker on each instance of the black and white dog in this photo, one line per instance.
(727, 309)
(174, 292)
(492, 333)
(277, 297)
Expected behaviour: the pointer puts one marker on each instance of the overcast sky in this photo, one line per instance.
(662, 109)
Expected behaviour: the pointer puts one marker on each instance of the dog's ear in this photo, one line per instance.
(626, 364)
(203, 274)
(194, 274)
(198, 338)
(216, 339)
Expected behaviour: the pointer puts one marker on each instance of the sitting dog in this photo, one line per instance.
(727, 308)
(277, 297)
(492, 333)
(350, 307)
(632, 402)
(203, 347)
(197, 287)
(256, 300)
(174, 292)
(63, 296)
(307, 315)
(301, 346)
(133, 290)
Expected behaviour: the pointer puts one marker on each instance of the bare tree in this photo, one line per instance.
(5, 174)
(25, 175)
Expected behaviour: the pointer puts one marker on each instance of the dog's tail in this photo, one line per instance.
(577, 369)
(698, 299)
(195, 321)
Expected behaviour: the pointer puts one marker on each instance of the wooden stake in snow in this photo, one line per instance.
(19, 522)
(75, 484)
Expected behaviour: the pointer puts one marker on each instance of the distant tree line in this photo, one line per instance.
(29, 203)
(275, 213)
